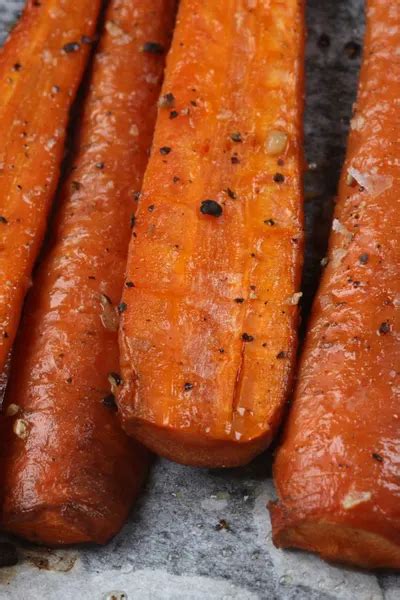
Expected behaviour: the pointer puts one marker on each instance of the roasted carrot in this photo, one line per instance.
(70, 473)
(41, 66)
(337, 472)
(208, 335)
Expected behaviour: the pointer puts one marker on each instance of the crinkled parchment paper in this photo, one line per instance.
(173, 548)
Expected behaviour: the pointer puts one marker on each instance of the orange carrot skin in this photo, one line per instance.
(208, 337)
(337, 472)
(41, 66)
(73, 476)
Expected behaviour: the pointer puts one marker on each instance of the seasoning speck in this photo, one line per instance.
(384, 328)
(122, 306)
(129, 284)
(279, 178)
(269, 222)
(164, 150)
(222, 525)
(100, 165)
(173, 114)
(276, 142)
(230, 193)
(71, 47)
(282, 354)
(236, 137)
(3, 220)
(364, 258)
(377, 457)
(247, 337)
(211, 208)
(188, 386)
(153, 48)
(239, 300)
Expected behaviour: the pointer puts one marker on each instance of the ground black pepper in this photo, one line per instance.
(211, 208)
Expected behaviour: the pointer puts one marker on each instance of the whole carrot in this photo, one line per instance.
(337, 472)
(208, 334)
(70, 473)
(41, 66)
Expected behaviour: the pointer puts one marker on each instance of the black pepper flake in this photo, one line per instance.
(352, 50)
(221, 350)
(188, 386)
(122, 306)
(129, 284)
(3, 220)
(236, 137)
(164, 150)
(71, 47)
(17, 67)
(324, 41)
(5, 335)
(153, 48)
(377, 457)
(69, 380)
(279, 178)
(173, 114)
(8, 554)
(364, 258)
(132, 221)
(109, 402)
(222, 524)
(384, 328)
(246, 337)
(269, 222)
(136, 196)
(211, 208)
(230, 193)
(235, 160)
(75, 186)
(166, 100)
(151, 207)
(239, 300)
(282, 354)
(100, 165)
(175, 179)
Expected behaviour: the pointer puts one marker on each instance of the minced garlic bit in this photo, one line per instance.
(109, 317)
(276, 142)
(21, 429)
(353, 499)
(295, 298)
(12, 410)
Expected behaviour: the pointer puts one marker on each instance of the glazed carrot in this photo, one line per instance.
(337, 472)
(70, 473)
(208, 332)
(41, 66)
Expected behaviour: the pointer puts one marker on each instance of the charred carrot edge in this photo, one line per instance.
(41, 66)
(70, 474)
(337, 470)
(208, 335)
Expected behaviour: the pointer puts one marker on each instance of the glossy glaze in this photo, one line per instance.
(209, 332)
(338, 470)
(75, 475)
(38, 68)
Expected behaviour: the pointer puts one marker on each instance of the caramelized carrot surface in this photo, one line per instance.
(208, 335)
(337, 472)
(41, 66)
(70, 473)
